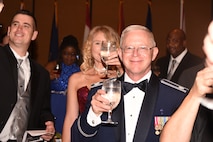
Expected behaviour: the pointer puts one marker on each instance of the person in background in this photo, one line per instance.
(146, 102)
(92, 71)
(178, 58)
(27, 105)
(4, 39)
(60, 70)
(155, 69)
(192, 121)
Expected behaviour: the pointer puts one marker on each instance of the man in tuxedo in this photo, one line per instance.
(33, 103)
(177, 51)
(146, 102)
(196, 119)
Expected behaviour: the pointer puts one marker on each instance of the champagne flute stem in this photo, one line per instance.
(106, 72)
(109, 116)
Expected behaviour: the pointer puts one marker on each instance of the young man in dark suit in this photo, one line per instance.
(176, 49)
(141, 114)
(33, 103)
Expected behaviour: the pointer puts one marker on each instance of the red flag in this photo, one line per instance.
(182, 16)
(22, 5)
(88, 21)
(121, 23)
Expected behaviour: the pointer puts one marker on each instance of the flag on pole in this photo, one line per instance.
(212, 10)
(88, 20)
(22, 5)
(53, 52)
(121, 23)
(149, 16)
(182, 16)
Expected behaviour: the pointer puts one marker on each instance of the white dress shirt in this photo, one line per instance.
(133, 101)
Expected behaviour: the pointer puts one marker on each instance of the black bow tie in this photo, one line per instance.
(128, 86)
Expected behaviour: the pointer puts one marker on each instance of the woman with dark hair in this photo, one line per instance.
(60, 70)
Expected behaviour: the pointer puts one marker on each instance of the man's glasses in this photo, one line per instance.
(140, 49)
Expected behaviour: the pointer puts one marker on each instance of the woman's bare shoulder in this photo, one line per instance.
(76, 76)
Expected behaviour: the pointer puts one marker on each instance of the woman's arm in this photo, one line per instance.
(180, 125)
(72, 110)
(50, 66)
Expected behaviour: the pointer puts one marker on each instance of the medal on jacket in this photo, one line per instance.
(160, 121)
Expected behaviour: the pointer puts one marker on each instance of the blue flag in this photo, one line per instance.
(53, 53)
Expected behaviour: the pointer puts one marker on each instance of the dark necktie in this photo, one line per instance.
(141, 85)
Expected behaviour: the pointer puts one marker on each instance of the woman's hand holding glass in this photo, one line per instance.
(55, 72)
(107, 49)
(110, 58)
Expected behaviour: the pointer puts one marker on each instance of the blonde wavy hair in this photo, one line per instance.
(110, 35)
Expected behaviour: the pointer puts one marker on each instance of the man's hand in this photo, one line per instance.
(99, 103)
(50, 129)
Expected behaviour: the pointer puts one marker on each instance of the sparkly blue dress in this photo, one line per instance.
(58, 94)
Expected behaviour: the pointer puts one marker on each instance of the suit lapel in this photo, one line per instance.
(34, 78)
(13, 65)
(118, 115)
(147, 110)
(146, 113)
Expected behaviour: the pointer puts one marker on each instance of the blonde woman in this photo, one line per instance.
(92, 71)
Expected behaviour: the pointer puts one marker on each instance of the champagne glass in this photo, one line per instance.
(112, 88)
(57, 69)
(106, 48)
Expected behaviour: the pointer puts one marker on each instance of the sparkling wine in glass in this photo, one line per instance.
(113, 94)
(106, 48)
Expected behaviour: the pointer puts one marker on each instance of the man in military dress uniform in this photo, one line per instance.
(146, 102)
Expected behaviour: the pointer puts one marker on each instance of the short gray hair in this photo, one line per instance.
(137, 27)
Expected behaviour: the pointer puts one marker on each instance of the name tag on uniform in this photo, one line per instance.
(160, 121)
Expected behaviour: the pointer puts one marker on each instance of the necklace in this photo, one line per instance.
(102, 70)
